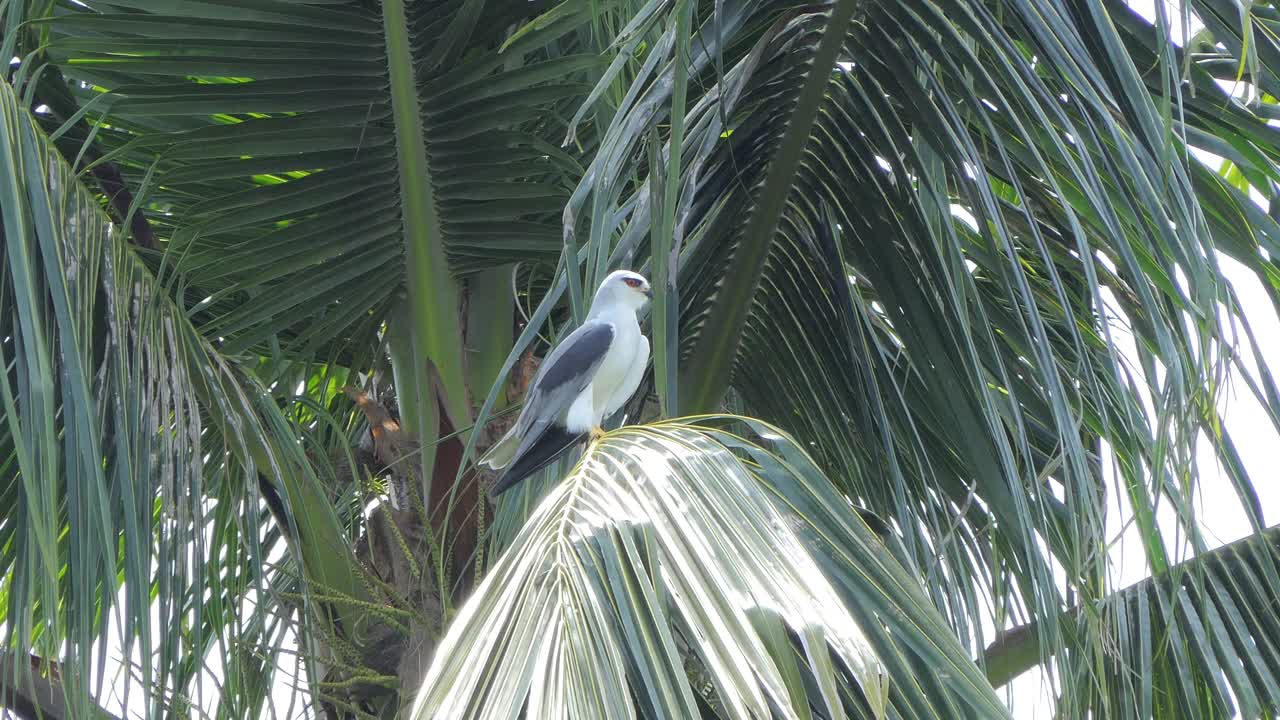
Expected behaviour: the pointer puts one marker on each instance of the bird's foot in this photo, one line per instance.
(596, 433)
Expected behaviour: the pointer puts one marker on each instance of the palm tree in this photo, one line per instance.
(276, 270)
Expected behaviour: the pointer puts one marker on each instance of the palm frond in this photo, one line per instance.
(911, 233)
(682, 569)
(277, 138)
(989, 195)
(1217, 609)
(120, 428)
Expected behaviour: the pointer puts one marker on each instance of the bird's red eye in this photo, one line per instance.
(631, 282)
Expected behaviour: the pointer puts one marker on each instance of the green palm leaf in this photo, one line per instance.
(983, 191)
(913, 234)
(328, 148)
(681, 569)
(119, 423)
(1215, 610)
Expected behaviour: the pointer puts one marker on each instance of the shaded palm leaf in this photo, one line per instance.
(120, 425)
(283, 138)
(986, 192)
(1217, 608)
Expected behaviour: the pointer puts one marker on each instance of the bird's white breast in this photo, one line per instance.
(617, 362)
(589, 409)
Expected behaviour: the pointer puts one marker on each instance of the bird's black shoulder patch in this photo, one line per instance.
(580, 353)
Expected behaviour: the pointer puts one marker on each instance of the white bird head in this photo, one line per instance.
(623, 287)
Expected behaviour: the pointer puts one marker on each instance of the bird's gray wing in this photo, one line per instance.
(565, 373)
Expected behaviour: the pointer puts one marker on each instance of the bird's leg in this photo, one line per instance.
(596, 433)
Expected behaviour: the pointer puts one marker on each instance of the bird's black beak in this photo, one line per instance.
(648, 292)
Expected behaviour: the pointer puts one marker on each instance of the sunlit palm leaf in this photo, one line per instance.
(682, 570)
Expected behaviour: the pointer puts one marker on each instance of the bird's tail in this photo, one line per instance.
(543, 451)
(499, 456)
